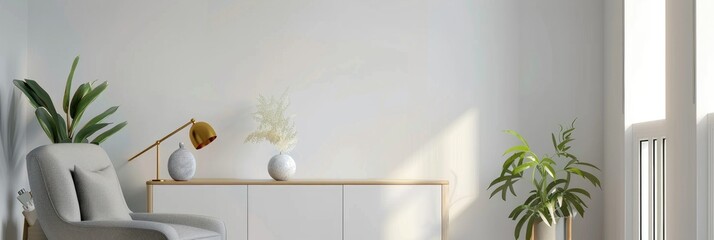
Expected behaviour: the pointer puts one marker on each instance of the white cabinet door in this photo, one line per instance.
(297, 212)
(392, 212)
(226, 202)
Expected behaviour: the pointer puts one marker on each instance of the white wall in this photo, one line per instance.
(614, 117)
(705, 105)
(561, 78)
(681, 185)
(381, 89)
(13, 64)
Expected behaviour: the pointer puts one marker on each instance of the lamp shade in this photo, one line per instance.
(201, 134)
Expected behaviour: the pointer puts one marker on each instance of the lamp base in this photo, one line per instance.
(157, 180)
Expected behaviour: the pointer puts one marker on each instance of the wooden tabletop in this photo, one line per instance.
(236, 181)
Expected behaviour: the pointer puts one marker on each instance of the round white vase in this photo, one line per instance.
(281, 167)
(182, 164)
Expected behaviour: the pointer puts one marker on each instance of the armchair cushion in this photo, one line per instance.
(99, 195)
(202, 222)
(192, 233)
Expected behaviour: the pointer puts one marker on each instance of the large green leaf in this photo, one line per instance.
(87, 131)
(47, 123)
(68, 86)
(86, 100)
(82, 90)
(101, 116)
(61, 129)
(28, 92)
(99, 139)
(45, 99)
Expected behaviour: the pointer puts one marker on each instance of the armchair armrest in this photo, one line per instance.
(197, 221)
(107, 230)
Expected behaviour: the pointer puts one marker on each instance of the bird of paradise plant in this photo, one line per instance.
(67, 129)
(552, 196)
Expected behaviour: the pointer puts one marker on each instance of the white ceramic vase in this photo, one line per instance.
(281, 167)
(182, 164)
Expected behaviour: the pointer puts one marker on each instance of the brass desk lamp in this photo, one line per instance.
(201, 134)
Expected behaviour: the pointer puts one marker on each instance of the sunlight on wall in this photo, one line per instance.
(705, 58)
(644, 60)
(451, 155)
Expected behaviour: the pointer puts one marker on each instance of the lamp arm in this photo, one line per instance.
(192, 121)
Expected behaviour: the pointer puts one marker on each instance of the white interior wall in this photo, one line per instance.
(13, 64)
(614, 179)
(705, 105)
(681, 164)
(561, 78)
(380, 89)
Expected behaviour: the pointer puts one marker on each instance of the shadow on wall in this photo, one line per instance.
(12, 168)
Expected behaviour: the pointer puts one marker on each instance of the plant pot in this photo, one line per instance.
(561, 230)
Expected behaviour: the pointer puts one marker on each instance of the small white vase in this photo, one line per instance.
(281, 167)
(182, 164)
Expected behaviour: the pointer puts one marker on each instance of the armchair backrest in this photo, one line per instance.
(49, 170)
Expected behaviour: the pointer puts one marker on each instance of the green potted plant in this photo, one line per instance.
(68, 130)
(552, 196)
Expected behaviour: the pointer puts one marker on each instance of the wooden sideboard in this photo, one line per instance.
(311, 209)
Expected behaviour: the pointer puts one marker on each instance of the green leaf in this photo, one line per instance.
(500, 179)
(563, 143)
(86, 100)
(47, 123)
(532, 197)
(588, 164)
(90, 97)
(554, 184)
(28, 92)
(549, 169)
(82, 90)
(68, 86)
(510, 161)
(543, 217)
(44, 98)
(519, 225)
(514, 133)
(497, 190)
(523, 167)
(529, 228)
(569, 130)
(517, 211)
(88, 131)
(579, 190)
(555, 144)
(517, 149)
(101, 116)
(99, 139)
(61, 129)
(576, 204)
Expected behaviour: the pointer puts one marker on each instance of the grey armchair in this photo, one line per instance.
(50, 169)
